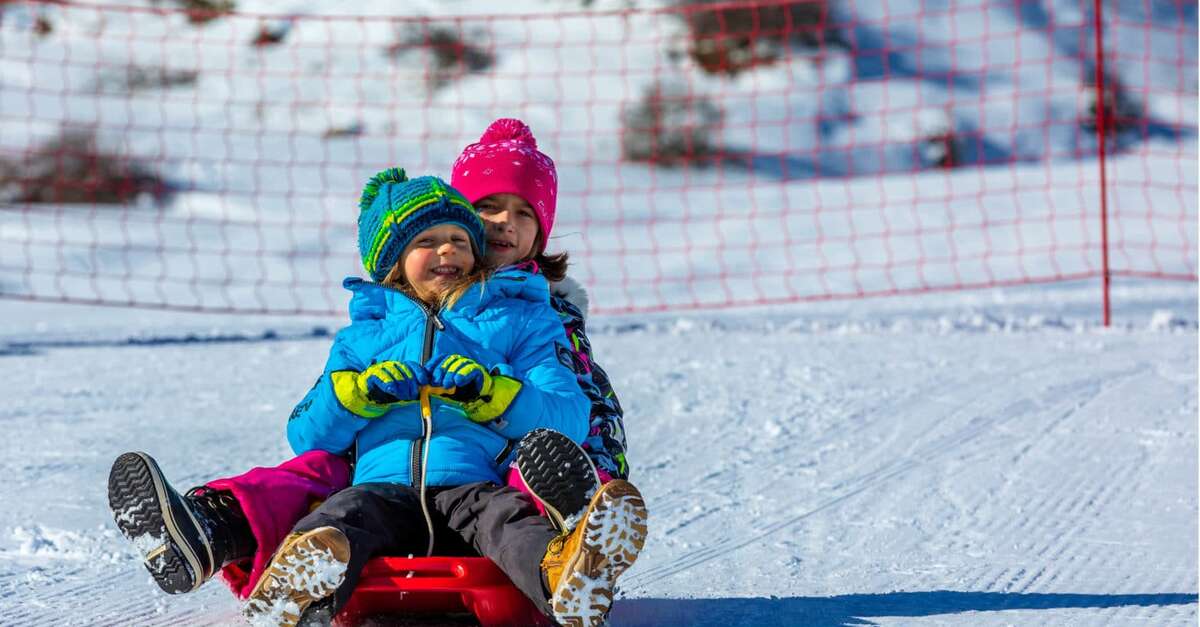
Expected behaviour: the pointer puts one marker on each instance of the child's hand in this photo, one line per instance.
(484, 396)
(393, 381)
(463, 378)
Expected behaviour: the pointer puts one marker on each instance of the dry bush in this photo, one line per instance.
(727, 39)
(671, 126)
(270, 34)
(453, 57)
(133, 78)
(1121, 111)
(351, 129)
(42, 26)
(74, 168)
(204, 11)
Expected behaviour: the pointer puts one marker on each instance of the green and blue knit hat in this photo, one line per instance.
(394, 209)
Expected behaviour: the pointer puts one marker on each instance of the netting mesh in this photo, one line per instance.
(709, 154)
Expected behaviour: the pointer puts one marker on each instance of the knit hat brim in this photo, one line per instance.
(396, 232)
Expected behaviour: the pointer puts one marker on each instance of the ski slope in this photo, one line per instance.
(985, 458)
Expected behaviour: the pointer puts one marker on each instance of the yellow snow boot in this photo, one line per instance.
(582, 568)
(308, 567)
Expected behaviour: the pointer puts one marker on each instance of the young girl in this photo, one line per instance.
(514, 186)
(517, 204)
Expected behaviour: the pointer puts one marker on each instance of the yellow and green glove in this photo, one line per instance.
(485, 396)
(374, 391)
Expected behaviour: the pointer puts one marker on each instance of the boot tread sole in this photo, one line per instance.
(559, 474)
(137, 496)
(614, 534)
(269, 592)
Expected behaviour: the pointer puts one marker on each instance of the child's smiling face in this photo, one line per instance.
(512, 228)
(436, 260)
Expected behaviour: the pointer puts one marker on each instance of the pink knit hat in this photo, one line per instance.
(506, 160)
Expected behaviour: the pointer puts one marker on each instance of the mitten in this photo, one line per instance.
(372, 392)
(485, 396)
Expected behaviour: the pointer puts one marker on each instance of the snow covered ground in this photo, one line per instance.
(981, 458)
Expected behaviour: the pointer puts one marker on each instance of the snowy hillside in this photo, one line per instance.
(826, 189)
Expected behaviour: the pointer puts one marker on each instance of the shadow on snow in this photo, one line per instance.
(855, 609)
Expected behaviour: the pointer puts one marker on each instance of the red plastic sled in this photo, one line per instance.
(440, 585)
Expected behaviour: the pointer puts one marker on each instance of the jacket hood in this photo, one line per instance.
(573, 292)
(369, 301)
(372, 301)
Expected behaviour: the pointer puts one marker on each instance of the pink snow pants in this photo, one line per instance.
(276, 498)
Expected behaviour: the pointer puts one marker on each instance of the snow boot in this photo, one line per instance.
(183, 540)
(559, 474)
(307, 569)
(319, 614)
(582, 568)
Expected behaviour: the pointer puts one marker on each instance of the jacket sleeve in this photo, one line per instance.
(320, 421)
(550, 396)
(605, 442)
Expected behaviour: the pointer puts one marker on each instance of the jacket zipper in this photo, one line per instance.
(432, 325)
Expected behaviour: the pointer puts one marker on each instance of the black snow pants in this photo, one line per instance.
(497, 522)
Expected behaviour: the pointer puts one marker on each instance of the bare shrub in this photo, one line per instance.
(670, 126)
(271, 34)
(134, 78)
(204, 11)
(74, 168)
(42, 26)
(727, 38)
(938, 142)
(352, 129)
(452, 56)
(1115, 110)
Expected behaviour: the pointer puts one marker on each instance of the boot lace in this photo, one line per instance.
(557, 543)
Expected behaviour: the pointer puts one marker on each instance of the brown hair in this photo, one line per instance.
(554, 266)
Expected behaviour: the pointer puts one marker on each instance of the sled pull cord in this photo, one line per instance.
(427, 419)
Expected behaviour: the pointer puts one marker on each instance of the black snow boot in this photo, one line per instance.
(224, 523)
(184, 540)
(559, 474)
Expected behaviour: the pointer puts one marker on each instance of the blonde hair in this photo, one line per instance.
(478, 274)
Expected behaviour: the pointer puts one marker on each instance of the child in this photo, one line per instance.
(514, 186)
(233, 519)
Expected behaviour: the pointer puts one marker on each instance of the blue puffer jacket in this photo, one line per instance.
(505, 323)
